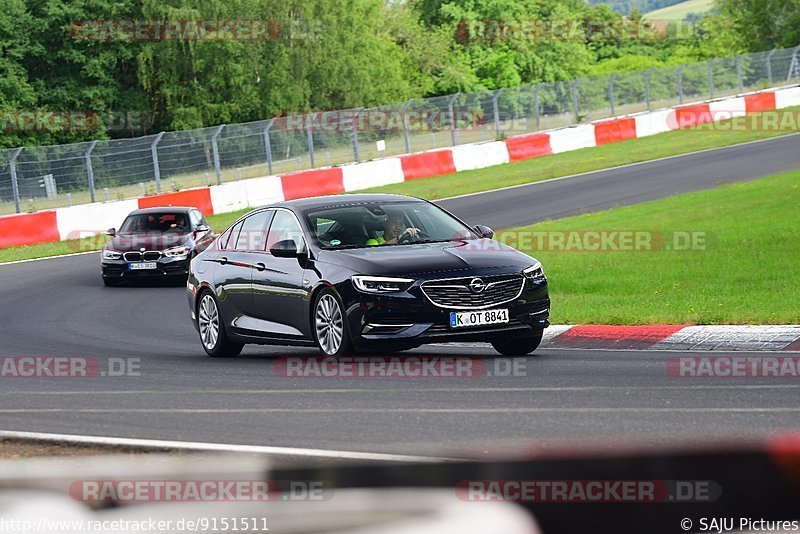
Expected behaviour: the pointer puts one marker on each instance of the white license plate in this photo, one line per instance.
(478, 318)
(142, 266)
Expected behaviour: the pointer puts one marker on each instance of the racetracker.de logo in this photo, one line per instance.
(398, 367)
(734, 366)
(588, 491)
(133, 491)
(68, 367)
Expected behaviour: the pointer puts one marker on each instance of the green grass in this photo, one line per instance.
(681, 10)
(584, 160)
(749, 274)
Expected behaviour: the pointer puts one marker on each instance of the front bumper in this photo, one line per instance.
(165, 267)
(410, 318)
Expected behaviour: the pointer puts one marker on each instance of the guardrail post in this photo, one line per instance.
(354, 129)
(215, 149)
(611, 91)
(711, 78)
(310, 138)
(536, 102)
(679, 75)
(89, 170)
(497, 111)
(739, 76)
(574, 88)
(12, 164)
(647, 86)
(453, 117)
(405, 125)
(268, 144)
(769, 63)
(156, 166)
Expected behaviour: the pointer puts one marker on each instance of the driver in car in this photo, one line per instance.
(394, 230)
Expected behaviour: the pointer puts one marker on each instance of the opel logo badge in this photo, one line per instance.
(477, 285)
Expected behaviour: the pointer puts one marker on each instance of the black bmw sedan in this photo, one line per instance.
(155, 243)
(364, 273)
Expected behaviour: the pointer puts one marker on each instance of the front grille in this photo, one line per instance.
(150, 255)
(457, 294)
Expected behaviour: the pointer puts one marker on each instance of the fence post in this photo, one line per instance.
(679, 75)
(575, 106)
(156, 166)
(536, 102)
(497, 112)
(405, 125)
(711, 78)
(793, 66)
(354, 129)
(215, 149)
(769, 63)
(268, 144)
(647, 86)
(739, 72)
(310, 138)
(453, 117)
(611, 91)
(12, 164)
(89, 170)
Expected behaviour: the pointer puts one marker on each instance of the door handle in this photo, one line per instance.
(223, 261)
(260, 267)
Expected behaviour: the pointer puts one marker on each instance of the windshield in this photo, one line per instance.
(155, 222)
(384, 224)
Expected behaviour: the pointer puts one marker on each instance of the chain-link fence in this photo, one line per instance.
(34, 178)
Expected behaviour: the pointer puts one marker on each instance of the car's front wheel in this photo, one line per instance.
(518, 346)
(212, 333)
(329, 325)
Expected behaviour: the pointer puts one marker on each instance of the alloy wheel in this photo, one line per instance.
(209, 322)
(329, 324)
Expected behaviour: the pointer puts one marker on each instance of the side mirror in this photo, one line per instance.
(284, 249)
(484, 231)
(112, 232)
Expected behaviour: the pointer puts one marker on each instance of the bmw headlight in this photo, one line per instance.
(380, 284)
(109, 254)
(534, 271)
(177, 252)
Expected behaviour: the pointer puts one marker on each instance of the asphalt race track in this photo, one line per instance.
(60, 307)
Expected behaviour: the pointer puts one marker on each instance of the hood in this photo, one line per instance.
(148, 241)
(429, 258)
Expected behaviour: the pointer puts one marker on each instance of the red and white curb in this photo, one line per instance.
(89, 219)
(675, 337)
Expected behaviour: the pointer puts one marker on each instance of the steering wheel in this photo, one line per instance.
(406, 237)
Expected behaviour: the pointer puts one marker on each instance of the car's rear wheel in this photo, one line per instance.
(518, 346)
(329, 325)
(212, 333)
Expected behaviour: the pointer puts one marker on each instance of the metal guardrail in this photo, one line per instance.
(39, 177)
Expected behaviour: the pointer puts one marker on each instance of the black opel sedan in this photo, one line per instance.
(364, 273)
(155, 243)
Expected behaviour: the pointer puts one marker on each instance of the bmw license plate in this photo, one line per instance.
(478, 318)
(142, 266)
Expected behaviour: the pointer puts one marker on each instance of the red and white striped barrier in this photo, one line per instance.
(79, 221)
(730, 338)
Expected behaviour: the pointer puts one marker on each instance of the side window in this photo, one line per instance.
(253, 234)
(228, 239)
(198, 219)
(285, 226)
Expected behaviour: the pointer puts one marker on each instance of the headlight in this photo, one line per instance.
(380, 284)
(177, 252)
(111, 254)
(534, 271)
